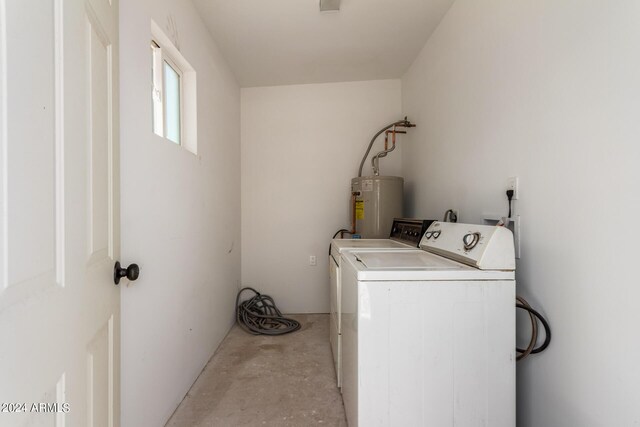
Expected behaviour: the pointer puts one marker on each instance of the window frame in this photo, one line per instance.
(163, 50)
(157, 89)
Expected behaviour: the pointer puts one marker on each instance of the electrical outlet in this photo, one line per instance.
(512, 184)
(313, 260)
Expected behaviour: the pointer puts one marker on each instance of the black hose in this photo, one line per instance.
(260, 316)
(450, 216)
(547, 330)
(342, 230)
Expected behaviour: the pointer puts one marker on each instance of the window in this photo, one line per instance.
(173, 92)
(172, 109)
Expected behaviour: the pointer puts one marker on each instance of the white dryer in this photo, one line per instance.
(428, 336)
(405, 235)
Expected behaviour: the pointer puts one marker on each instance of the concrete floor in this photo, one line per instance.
(267, 381)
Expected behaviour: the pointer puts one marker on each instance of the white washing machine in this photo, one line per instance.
(428, 336)
(405, 235)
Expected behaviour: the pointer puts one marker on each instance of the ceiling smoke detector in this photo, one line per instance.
(329, 5)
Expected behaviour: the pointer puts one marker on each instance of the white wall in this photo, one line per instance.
(180, 218)
(301, 145)
(548, 91)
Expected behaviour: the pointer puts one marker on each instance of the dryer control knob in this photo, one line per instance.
(470, 240)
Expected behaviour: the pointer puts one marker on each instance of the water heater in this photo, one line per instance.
(376, 201)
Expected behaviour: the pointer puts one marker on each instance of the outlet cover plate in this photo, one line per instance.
(512, 184)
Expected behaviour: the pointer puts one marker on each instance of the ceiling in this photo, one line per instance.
(281, 42)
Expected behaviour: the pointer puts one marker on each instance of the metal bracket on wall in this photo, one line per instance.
(514, 226)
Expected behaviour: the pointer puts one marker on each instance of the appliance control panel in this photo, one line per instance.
(482, 246)
(409, 230)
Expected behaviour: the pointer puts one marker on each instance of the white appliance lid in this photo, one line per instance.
(415, 266)
(408, 260)
(344, 244)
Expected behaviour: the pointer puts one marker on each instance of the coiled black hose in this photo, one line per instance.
(260, 316)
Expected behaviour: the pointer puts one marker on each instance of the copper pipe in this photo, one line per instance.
(386, 136)
(401, 123)
(376, 159)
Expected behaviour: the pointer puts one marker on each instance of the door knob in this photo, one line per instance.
(132, 272)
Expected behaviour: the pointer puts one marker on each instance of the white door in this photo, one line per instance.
(59, 207)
